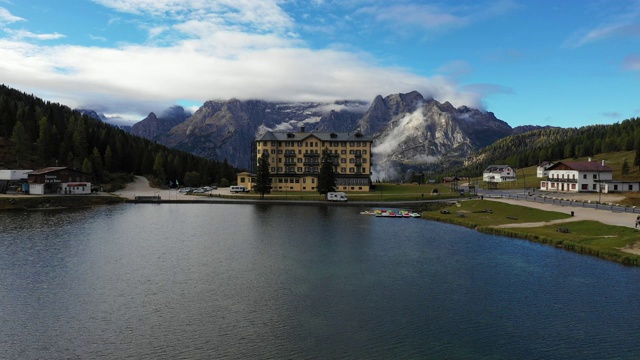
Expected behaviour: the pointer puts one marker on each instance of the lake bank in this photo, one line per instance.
(599, 233)
(48, 202)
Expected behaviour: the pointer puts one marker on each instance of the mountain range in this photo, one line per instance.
(409, 131)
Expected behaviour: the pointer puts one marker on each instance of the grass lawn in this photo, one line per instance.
(487, 213)
(587, 237)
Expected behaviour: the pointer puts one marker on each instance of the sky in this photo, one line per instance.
(564, 63)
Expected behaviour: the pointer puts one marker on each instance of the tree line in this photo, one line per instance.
(553, 144)
(38, 133)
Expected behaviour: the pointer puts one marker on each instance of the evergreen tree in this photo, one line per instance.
(20, 143)
(158, 169)
(87, 167)
(263, 176)
(625, 167)
(108, 159)
(45, 141)
(80, 143)
(97, 164)
(327, 176)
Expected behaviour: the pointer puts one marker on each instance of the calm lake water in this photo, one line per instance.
(206, 281)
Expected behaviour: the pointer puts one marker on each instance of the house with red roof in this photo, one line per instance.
(578, 176)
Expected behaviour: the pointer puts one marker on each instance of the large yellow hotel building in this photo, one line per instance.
(295, 160)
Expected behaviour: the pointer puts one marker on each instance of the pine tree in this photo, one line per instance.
(158, 169)
(20, 143)
(625, 167)
(327, 176)
(263, 176)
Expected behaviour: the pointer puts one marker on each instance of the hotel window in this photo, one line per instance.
(273, 151)
(352, 170)
(343, 170)
(265, 143)
(584, 176)
(299, 169)
(343, 152)
(351, 161)
(273, 169)
(273, 143)
(364, 152)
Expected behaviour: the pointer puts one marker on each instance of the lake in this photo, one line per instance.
(207, 281)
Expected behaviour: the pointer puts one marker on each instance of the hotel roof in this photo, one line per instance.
(323, 136)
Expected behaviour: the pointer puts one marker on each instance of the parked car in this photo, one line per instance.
(237, 189)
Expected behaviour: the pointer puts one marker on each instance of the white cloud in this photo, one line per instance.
(222, 57)
(23, 34)
(7, 18)
(432, 17)
(632, 62)
(264, 15)
(624, 23)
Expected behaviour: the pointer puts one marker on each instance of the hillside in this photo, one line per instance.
(552, 144)
(35, 133)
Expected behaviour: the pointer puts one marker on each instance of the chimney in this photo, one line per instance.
(301, 128)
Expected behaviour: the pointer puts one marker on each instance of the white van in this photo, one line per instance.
(237, 189)
(336, 196)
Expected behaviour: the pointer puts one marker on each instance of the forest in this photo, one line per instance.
(35, 134)
(553, 144)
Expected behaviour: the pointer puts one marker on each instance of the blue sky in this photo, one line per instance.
(539, 62)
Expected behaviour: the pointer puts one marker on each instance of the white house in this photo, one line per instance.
(542, 170)
(498, 173)
(577, 176)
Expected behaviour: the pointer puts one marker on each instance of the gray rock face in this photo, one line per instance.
(152, 126)
(409, 131)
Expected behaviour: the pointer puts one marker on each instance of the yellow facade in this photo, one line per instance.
(295, 160)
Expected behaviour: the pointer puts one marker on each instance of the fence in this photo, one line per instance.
(570, 202)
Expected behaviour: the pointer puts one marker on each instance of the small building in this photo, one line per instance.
(577, 176)
(245, 179)
(620, 186)
(59, 180)
(542, 171)
(12, 180)
(498, 173)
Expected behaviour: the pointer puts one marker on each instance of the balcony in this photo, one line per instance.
(290, 153)
(288, 162)
(311, 155)
(562, 180)
(311, 163)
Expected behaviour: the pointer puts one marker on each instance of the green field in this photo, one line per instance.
(586, 237)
